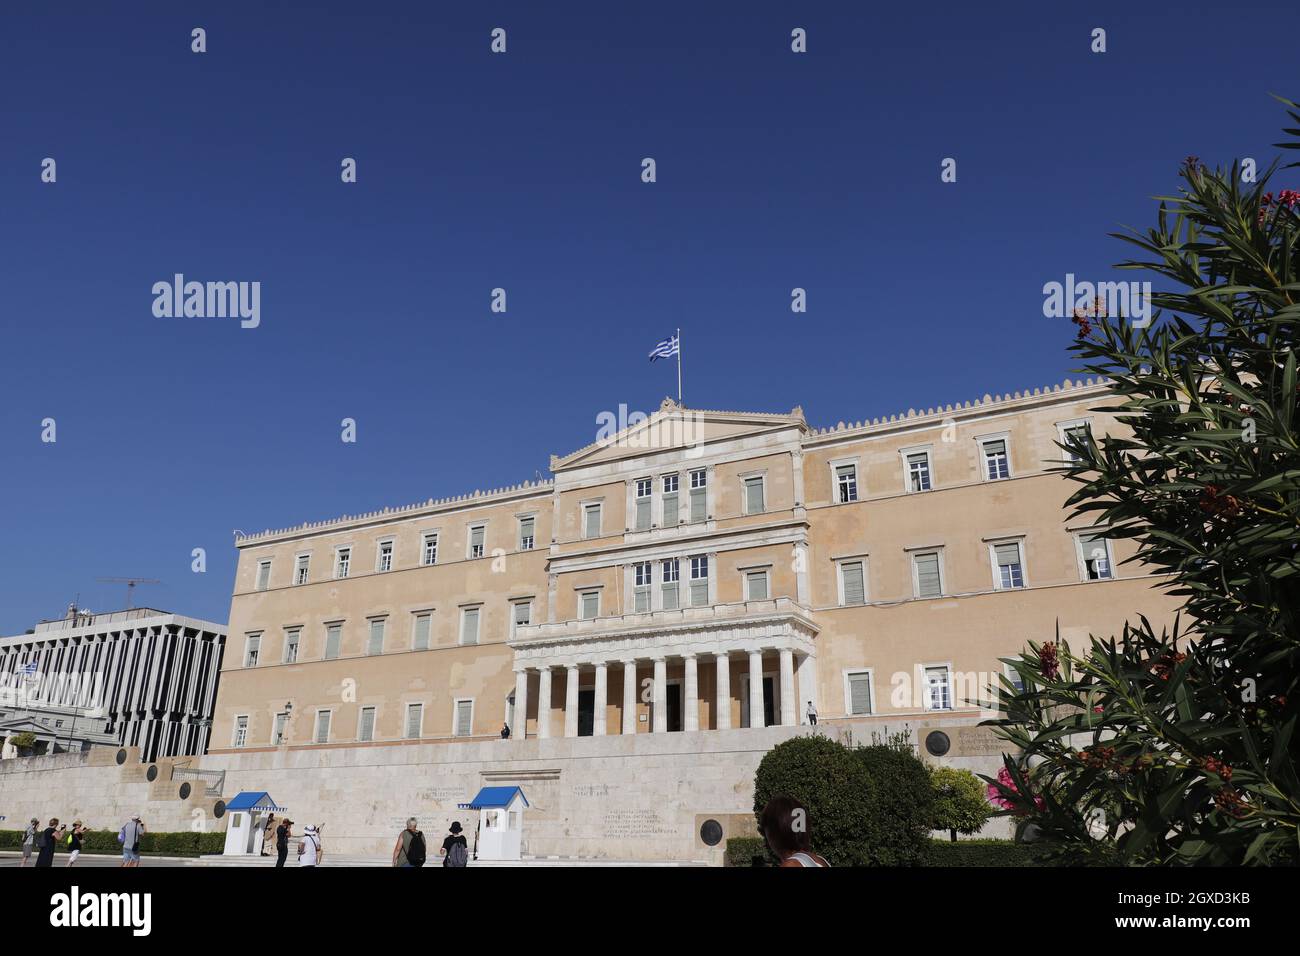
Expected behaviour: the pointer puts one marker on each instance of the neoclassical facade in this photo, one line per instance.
(697, 571)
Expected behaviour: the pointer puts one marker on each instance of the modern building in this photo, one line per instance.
(137, 678)
(695, 571)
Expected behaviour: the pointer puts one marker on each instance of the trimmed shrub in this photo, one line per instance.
(742, 850)
(961, 803)
(900, 807)
(981, 853)
(833, 783)
(182, 843)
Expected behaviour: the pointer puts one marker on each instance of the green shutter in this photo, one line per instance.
(333, 638)
(368, 724)
(421, 642)
(1007, 554)
(854, 588)
(642, 514)
(754, 495)
(376, 637)
(860, 693)
(699, 509)
(670, 510)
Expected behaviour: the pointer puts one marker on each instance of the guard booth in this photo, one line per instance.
(247, 812)
(500, 822)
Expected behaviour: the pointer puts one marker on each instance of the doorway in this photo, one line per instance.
(771, 701)
(586, 712)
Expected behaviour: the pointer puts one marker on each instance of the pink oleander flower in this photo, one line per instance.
(998, 799)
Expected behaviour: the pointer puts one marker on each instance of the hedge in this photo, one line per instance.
(742, 850)
(981, 853)
(183, 843)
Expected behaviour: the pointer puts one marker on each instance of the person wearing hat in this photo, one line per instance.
(129, 836)
(309, 848)
(75, 839)
(455, 849)
(282, 834)
(29, 839)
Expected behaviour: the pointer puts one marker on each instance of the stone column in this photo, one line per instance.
(571, 701)
(788, 694)
(598, 720)
(520, 729)
(691, 696)
(543, 702)
(722, 695)
(661, 696)
(756, 689)
(629, 697)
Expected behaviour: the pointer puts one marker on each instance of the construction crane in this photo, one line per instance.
(130, 586)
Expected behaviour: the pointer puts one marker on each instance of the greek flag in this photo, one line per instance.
(665, 349)
(29, 670)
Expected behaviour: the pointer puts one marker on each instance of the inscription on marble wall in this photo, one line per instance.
(978, 742)
(592, 790)
(635, 823)
(452, 795)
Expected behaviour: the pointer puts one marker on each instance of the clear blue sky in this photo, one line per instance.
(523, 171)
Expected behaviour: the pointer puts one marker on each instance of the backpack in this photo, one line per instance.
(458, 855)
(415, 853)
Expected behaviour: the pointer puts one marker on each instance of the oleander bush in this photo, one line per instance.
(1178, 747)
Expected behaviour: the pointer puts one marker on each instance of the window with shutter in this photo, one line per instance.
(670, 573)
(263, 575)
(414, 720)
(859, 694)
(996, 465)
(526, 534)
(291, 646)
(644, 487)
(333, 641)
(670, 501)
(855, 591)
(430, 555)
(477, 535)
(423, 627)
(590, 605)
(253, 649)
(464, 718)
(928, 584)
(699, 496)
(591, 521)
(918, 471)
(641, 586)
(385, 562)
(1096, 557)
(699, 581)
(300, 574)
(376, 645)
(241, 731)
(939, 696)
(342, 562)
(366, 732)
(322, 726)
(1010, 572)
(753, 496)
(523, 613)
(469, 626)
(756, 585)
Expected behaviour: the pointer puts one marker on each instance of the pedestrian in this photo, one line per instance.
(268, 835)
(29, 839)
(812, 714)
(49, 837)
(310, 850)
(455, 849)
(785, 826)
(75, 839)
(282, 834)
(505, 731)
(410, 850)
(129, 836)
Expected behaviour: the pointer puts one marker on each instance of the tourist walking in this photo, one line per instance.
(505, 731)
(455, 849)
(410, 850)
(29, 840)
(75, 839)
(310, 850)
(282, 834)
(129, 836)
(51, 835)
(812, 714)
(785, 826)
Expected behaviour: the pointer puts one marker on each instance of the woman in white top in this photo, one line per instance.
(309, 848)
(784, 824)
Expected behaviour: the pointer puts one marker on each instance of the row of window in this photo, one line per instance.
(995, 461)
(413, 727)
(1007, 559)
(521, 612)
(385, 551)
(936, 689)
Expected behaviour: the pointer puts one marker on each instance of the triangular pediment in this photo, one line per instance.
(672, 426)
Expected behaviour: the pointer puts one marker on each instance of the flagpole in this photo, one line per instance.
(679, 366)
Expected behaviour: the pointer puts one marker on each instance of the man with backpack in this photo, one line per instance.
(455, 849)
(129, 837)
(282, 834)
(410, 849)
